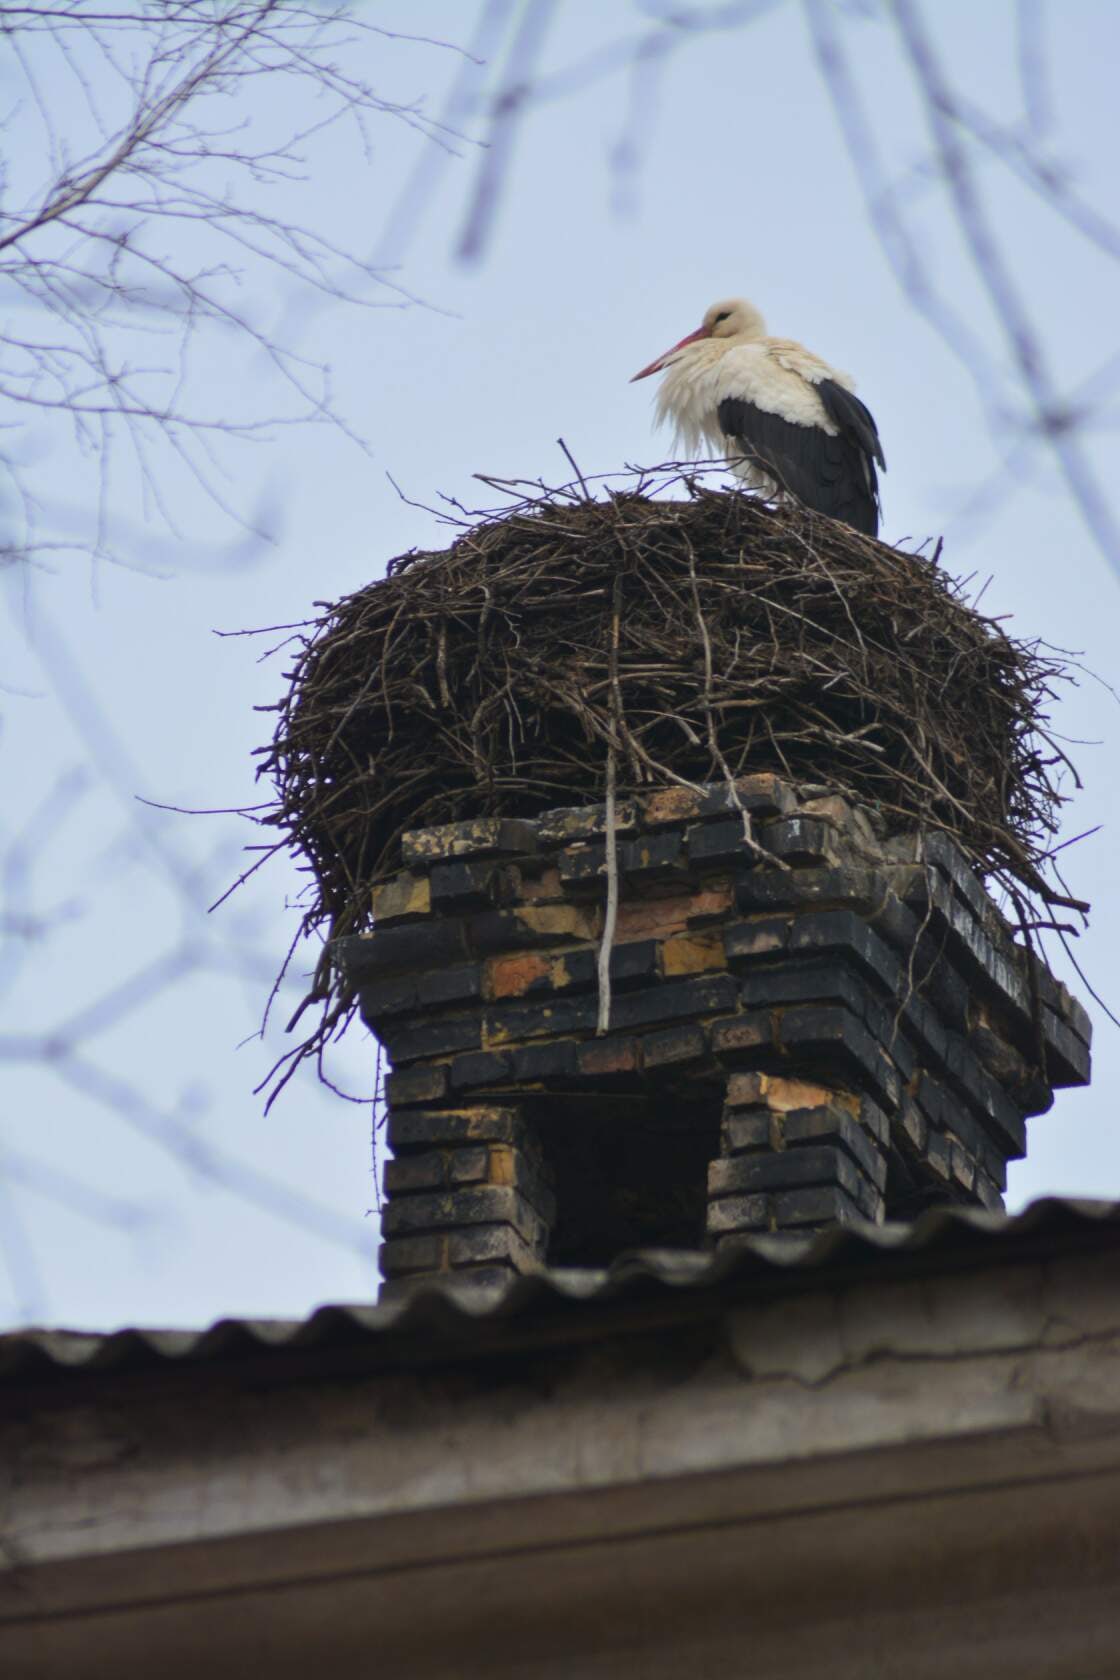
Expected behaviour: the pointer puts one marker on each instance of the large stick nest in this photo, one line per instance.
(693, 638)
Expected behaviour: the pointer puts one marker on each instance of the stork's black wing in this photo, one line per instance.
(833, 475)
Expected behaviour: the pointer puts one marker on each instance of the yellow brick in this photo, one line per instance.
(671, 805)
(572, 920)
(690, 953)
(535, 889)
(501, 1168)
(404, 895)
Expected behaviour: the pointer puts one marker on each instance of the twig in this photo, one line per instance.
(610, 914)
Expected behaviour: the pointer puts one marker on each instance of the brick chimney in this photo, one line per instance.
(809, 1023)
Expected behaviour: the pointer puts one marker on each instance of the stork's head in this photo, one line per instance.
(734, 318)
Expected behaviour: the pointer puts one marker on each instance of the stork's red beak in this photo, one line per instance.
(655, 367)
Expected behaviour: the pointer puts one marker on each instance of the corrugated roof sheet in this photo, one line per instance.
(459, 1317)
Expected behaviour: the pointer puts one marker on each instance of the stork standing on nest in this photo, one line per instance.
(789, 424)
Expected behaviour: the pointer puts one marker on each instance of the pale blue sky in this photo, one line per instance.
(743, 187)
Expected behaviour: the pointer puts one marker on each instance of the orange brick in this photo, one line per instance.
(690, 953)
(664, 916)
(752, 1090)
(508, 977)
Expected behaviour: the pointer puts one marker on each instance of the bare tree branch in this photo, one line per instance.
(508, 109)
(159, 217)
(1051, 414)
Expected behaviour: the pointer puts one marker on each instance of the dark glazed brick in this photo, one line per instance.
(412, 1254)
(832, 1034)
(415, 1172)
(469, 1165)
(482, 1245)
(934, 1102)
(412, 1086)
(460, 984)
(649, 857)
(821, 981)
(415, 945)
(981, 1096)
(741, 1035)
(874, 1122)
(489, 1204)
(843, 930)
(720, 842)
(557, 1016)
(738, 1213)
(938, 1156)
(988, 1193)
(583, 864)
(962, 1167)
(545, 1061)
(799, 840)
(494, 932)
(786, 1169)
(937, 848)
(791, 889)
(823, 1205)
(1067, 1057)
(631, 963)
(911, 1125)
(480, 1067)
(747, 1131)
(604, 1056)
(673, 998)
(676, 1044)
(439, 1036)
(393, 996)
(481, 1123)
(653, 856)
(463, 885)
(834, 1126)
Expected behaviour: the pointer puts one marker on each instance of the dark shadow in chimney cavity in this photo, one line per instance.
(630, 1170)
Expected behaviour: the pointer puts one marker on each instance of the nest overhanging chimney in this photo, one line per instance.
(736, 771)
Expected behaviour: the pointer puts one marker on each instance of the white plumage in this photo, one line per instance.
(790, 424)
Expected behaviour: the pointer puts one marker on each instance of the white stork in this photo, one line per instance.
(788, 422)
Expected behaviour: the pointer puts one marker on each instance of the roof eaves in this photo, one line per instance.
(453, 1317)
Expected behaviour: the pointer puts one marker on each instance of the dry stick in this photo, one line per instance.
(610, 915)
(575, 469)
